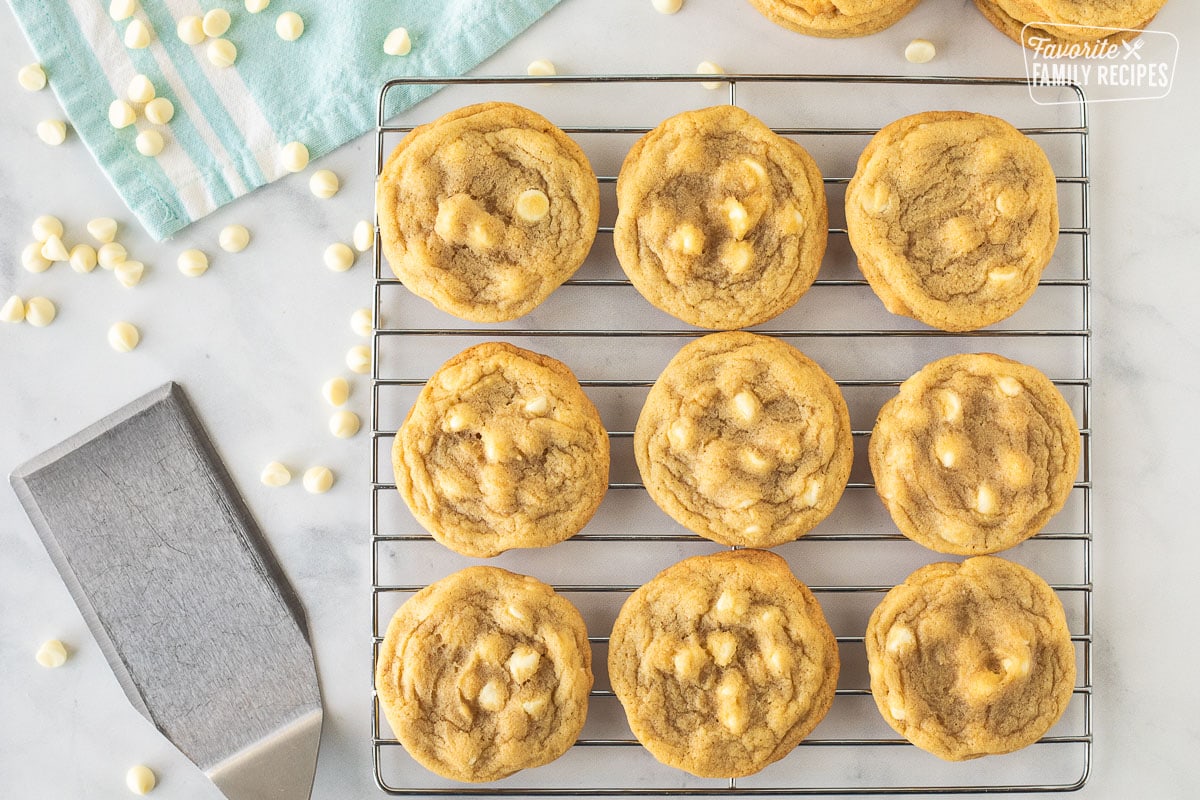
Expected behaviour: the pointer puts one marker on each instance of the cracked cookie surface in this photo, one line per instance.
(953, 217)
(971, 659)
(502, 449)
(744, 440)
(485, 673)
(835, 18)
(1011, 17)
(975, 454)
(723, 663)
(487, 210)
(722, 223)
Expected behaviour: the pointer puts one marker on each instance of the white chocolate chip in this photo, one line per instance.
(535, 706)
(709, 68)
(190, 30)
(747, 405)
(324, 184)
(234, 238)
(160, 111)
(896, 709)
(731, 703)
(140, 779)
(920, 51)
(83, 258)
(900, 638)
(516, 612)
(736, 214)
(364, 236)
(344, 424)
(123, 337)
(275, 475)
(755, 462)
(398, 42)
(140, 90)
(362, 322)
(122, 9)
(723, 646)
(13, 310)
(318, 480)
(532, 205)
(1002, 275)
(46, 226)
(951, 405)
(667, 6)
(52, 654)
(687, 239)
(537, 406)
(149, 143)
(339, 257)
(985, 500)
(52, 131)
(946, 454)
(493, 696)
(129, 273)
(358, 359)
(1009, 385)
(111, 254)
(681, 434)
(32, 77)
(121, 114)
(737, 256)
(541, 66)
(192, 263)
(336, 391)
(289, 25)
(103, 229)
(53, 249)
(40, 312)
(255, 6)
(523, 663)
(878, 200)
(137, 35)
(812, 492)
(294, 156)
(221, 53)
(216, 22)
(688, 662)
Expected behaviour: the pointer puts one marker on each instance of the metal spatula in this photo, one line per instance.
(182, 593)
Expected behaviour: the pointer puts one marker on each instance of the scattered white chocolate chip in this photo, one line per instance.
(493, 696)
(32, 258)
(709, 68)
(140, 779)
(255, 6)
(46, 226)
(358, 359)
(985, 500)
(398, 42)
(140, 90)
(364, 236)
(344, 424)
(149, 143)
(324, 184)
(667, 6)
(83, 258)
(216, 22)
(289, 25)
(192, 263)
(318, 480)
(532, 205)
(123, 337)
(812, 492)
(951, 405)
(129, 273)
(52, 131)
(190, 30)
(541, 66)
(747, 405)
(221, 53)
(111, 254)
(40, 312)
(1009, 385)
(339, 257)
(920, 51)
(276, 475)
(234, 238)
(137, 35)
(32, 77)
(121, 114)
(53, 249)
(362, 321)
(523, 663)
(13, 310)
(336, 391)
(899, 638)
(537, 406)
(687, 239)
(294, 156)
(102, 229)
(122, 9)
(160, 111)
(52, 654)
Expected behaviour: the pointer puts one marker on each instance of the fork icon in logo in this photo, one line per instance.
(1131, 49)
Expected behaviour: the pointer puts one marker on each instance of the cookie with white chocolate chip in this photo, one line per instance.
(721, 222)
(953, 217)
(502, 449)
(744, 440)
(975, 454)
(835, 18)
(971, 659)
(485, 673)
(723, 663)
(487, 210)
(1035, 23)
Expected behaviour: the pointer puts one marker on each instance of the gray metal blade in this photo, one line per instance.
(181, 592)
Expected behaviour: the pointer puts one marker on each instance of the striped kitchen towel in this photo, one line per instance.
(230, 124)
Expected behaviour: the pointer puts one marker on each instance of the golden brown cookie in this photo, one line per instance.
(723, 663)
(487, 210)
(1012, 16)
(953, 216)
(744, 440)
(502, 449)
(835, 18)
(975, 454)
(721, 222)
(971, 659)
(485, 673)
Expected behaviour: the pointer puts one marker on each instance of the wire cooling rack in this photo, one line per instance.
(617, 344)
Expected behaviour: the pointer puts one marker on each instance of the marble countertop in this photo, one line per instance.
(254, 339)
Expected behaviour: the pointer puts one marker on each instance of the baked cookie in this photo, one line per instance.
(502, 449)
(953, 216)
(487, 210)
(1012, 16)
(723, 663)
(971, 659)
(485, 673)
(721, 222)
(975, 454)
(835, 18)
(744, 440)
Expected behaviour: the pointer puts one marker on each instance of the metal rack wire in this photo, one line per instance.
(860, 756)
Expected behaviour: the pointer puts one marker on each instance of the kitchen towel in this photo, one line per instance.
(230, 124)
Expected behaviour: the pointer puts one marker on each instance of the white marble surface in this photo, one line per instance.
(254, 339)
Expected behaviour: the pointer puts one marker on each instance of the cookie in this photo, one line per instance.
(487, 210)
(971, 659)
(953, 217)
(721, 222)
(723, 663)
(835, 19)
(502, 449)
(975, 454)
(485, 673)
(1078, 21)
(744, 440)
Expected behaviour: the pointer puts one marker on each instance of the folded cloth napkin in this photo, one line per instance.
(230, 124)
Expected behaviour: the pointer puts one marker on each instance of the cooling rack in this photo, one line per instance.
(617, 344)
